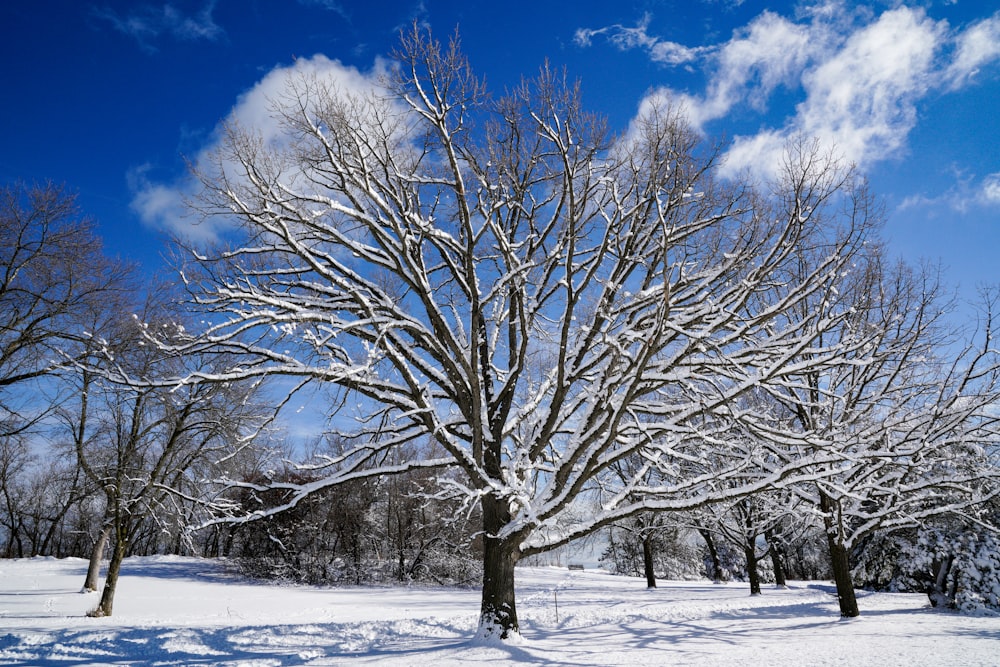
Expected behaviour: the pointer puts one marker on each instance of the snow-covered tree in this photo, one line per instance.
(653, 545)
(43, 496)
(955, 561)
(503, 278)
(910, 411)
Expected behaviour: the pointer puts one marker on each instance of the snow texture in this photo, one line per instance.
(181, 611)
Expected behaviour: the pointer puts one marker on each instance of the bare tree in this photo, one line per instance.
(138, 440)
(52, 272)
(53, 276)
(504, 279)
(911, 417)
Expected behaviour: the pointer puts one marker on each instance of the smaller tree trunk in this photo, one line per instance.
(839, 558)
(777, 554)
(938, 591)
(111, 580)
(647, 560)
(94, 570)
(750, 549)
(716, 573)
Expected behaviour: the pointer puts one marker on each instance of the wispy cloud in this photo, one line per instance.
(147, 23)
(333, 5)
(625, 38)
(860, 97)
(861, 76)
(968, 194)
(976, 46)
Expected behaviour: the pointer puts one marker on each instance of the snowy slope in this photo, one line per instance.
(183, 611)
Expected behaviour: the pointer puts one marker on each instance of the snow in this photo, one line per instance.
(182, 611)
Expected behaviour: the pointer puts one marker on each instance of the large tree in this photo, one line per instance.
(502, 277)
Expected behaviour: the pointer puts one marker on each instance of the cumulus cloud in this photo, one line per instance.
(147, 23)
(861, 76)
(164, 205)
(860, 94)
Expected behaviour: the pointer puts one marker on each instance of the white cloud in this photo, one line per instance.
(861, 76)
(975, 47)
(968, 194)
(860, 97)
(989, 191)
(863, 98)
(147, 22)
(770, 52)
(164, 205)
(332, 5)
(761, 154)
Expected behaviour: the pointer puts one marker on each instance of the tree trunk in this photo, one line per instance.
(716, 574)
(498, 614)
(111, 580)
(750, 549)
(94, 570)
(647, 560)
(776, 551)
(938, 591)
(839, 560)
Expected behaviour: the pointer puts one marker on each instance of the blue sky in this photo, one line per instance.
(111, 97)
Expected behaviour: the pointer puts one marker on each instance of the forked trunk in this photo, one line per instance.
(111, 580)
(839, 558)
(94, 570)
(498, 614)
(716, 573)
(938, 591)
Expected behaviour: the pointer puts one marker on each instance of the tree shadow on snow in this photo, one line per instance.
(188, 569)
(275, 644)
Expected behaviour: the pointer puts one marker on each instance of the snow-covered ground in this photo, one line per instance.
(185, 611)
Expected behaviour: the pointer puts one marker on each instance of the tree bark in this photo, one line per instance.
(839, 558)
(94, 570)
(937, 592)
(713, 553)
(647, 560)
(750, 549)
(111, 580)
(498, 614)
(776, 551)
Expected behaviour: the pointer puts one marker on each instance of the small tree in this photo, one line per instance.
(911, 423)
(53, 277)
(955, 562)
(136, 439)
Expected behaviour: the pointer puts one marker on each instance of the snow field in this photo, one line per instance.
(186, 611)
